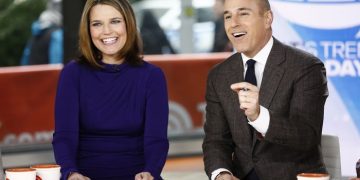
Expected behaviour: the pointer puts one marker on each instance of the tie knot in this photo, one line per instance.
(250, 76)
(250, 63)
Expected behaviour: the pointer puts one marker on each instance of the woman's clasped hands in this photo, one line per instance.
(144, 176)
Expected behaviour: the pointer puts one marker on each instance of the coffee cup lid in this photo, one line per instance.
(313, 175)
(20, 169)
(45, 166)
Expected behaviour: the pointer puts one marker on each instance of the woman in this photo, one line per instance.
(111, 109)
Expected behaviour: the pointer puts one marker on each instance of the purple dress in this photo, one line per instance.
(111, 123)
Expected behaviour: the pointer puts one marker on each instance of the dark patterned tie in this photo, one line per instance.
(251, 78)
(250, 72)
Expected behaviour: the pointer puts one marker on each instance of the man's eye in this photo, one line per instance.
(227, 17)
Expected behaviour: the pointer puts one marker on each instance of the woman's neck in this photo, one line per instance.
(112, 61)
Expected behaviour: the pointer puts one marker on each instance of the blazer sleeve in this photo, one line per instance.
(300, 128)
(156, 144)
(66, 135)
(218, 146)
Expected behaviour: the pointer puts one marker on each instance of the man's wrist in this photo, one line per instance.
(221, 174)
(216, 172)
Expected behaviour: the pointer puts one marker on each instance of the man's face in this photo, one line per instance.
(247, 25)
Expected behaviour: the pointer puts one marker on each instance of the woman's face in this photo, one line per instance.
(108, 31)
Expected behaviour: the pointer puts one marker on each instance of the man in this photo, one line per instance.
(270, 126)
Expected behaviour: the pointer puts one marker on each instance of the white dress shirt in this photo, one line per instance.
(261, 124)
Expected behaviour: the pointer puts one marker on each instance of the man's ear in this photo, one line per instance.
(268, 18)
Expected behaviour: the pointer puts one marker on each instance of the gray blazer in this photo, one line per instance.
(294, 90)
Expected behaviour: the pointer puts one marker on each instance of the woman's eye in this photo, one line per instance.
(95, 24)
(115, 21)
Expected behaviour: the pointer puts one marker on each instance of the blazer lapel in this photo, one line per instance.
(236, 75)
(272, 75)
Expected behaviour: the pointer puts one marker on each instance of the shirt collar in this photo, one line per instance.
(262, 55)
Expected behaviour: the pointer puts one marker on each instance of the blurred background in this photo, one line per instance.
(167, 26)
(185, 38)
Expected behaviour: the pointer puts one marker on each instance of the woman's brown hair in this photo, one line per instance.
(132, 50)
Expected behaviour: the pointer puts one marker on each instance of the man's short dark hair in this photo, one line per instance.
(265, 5)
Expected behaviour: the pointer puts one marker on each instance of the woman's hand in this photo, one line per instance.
(77, 176)
(144, 176)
